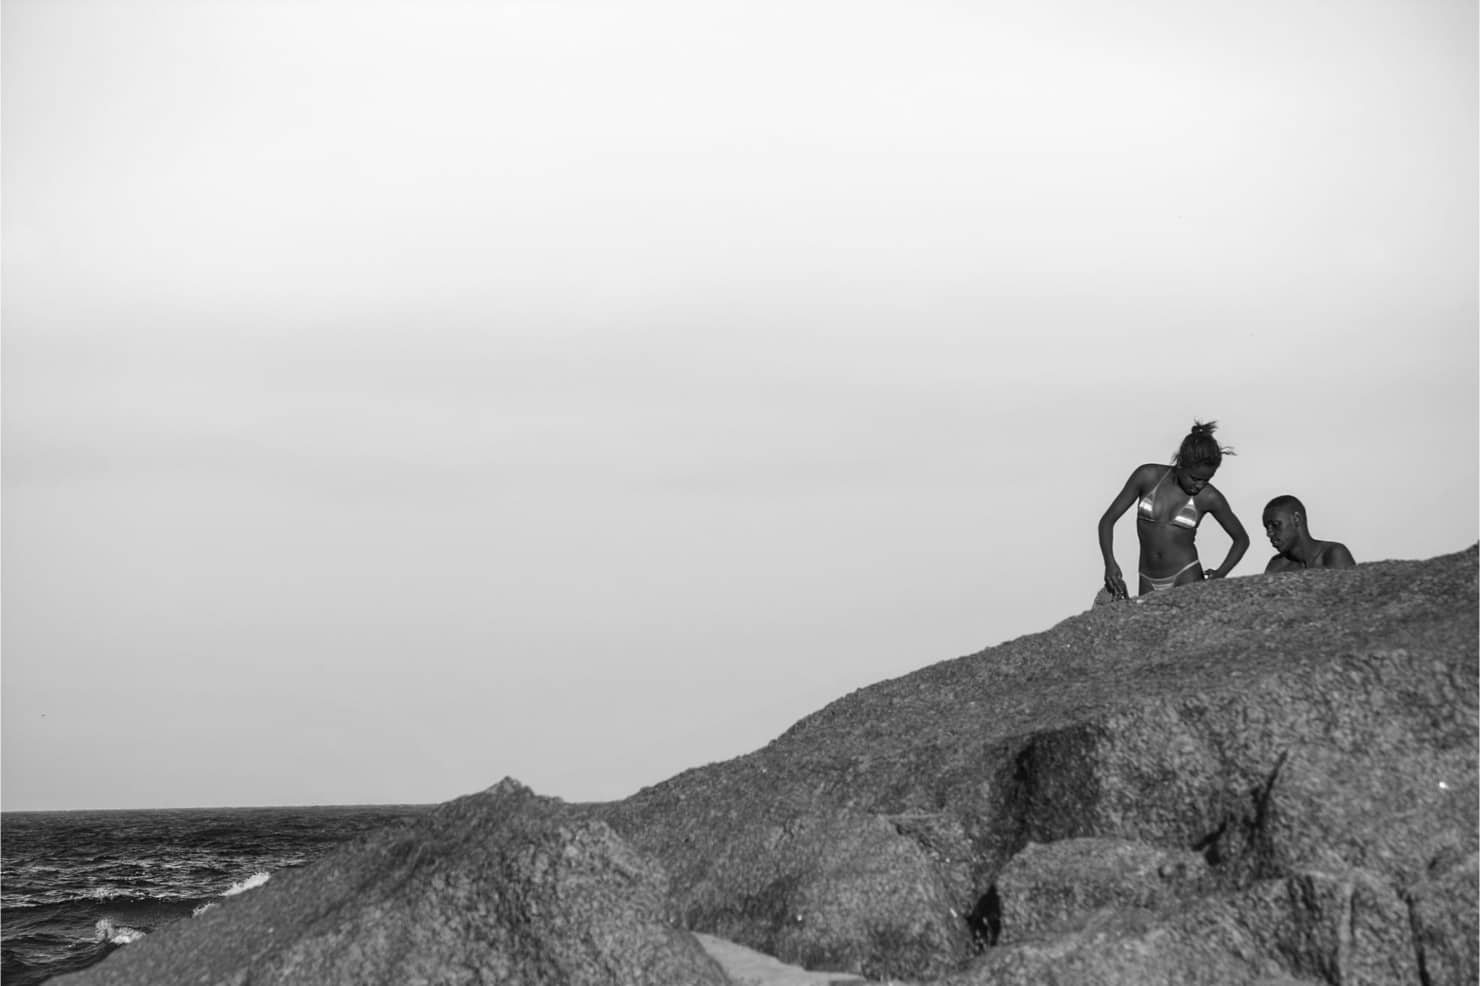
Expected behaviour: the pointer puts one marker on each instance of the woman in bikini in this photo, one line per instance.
(1170, 502)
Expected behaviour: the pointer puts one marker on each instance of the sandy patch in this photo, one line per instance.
(747, 967)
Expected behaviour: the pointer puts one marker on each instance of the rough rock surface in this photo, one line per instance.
(1062, 883)
(1312, 927)
(1268, 781)
(1310, 736)
(499, 887)
(1446, 921)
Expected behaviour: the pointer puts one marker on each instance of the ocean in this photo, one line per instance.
(75, 885)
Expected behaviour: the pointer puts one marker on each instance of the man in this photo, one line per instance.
(1284, 525)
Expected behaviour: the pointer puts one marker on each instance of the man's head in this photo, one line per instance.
(1284, 521)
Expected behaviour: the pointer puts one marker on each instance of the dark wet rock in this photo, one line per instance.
(498, 887)
(1277, 726)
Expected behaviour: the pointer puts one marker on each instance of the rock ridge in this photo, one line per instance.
(1264, 781)
(1279, 727)
(503, 886)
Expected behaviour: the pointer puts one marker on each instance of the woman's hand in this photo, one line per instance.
(1114, 582)
(1214, 574)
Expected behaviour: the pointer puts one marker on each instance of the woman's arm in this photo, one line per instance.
(1225, 517)
(1114, 581)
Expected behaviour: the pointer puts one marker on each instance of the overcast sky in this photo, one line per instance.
(398, 396)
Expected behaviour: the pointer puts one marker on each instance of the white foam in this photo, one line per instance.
(250, 883)
(107, 893)
(202, 908)
(106, 930)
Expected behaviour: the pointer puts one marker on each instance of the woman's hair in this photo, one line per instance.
(1200, 448)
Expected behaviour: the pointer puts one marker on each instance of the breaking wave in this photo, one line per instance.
(250, 883)
(117, 934)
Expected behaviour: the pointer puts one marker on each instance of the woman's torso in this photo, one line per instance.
(1166, 522)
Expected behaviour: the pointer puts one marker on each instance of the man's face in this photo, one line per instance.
(1281, 526)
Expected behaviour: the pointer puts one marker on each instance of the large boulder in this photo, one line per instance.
(1311, 730)
(1062, 884)
(1349, 929)
(819, 885)
(499, 887)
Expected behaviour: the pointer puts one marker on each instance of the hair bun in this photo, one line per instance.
(1200, 447)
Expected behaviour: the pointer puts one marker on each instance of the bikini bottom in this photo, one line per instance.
(1160, 585)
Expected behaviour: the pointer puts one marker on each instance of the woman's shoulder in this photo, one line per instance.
(1210, 496)
(1151, 471)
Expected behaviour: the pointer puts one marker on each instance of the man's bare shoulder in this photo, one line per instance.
(1334, 554)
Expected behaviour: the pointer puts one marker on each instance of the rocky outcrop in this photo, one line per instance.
(1268, 781)
(498, 887)
(1311, 738)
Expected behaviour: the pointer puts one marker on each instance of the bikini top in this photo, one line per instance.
(1187, 515)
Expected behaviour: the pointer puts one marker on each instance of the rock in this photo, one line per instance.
(1046, 887)
(1445, 913)
(817, 890)
(1268, 781)
(497, 887)
(1364, 761)
(1277, 726)
(1349, 929)
(1125, 948)
(852, 891)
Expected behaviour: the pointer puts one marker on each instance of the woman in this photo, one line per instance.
(1170, 502)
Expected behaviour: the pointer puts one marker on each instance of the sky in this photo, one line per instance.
(401, 396)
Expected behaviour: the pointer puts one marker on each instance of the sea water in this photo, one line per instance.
(75, 885)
